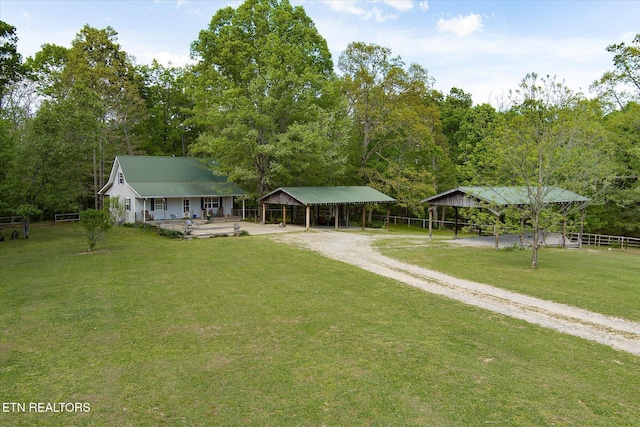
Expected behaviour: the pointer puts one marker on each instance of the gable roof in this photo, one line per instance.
(155, 176)
(501, 196)
(325, 196)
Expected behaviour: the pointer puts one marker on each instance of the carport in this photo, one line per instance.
(333, 197)
(495, 199)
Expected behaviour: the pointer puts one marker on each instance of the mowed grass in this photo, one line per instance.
(603, 280)
(246, 331)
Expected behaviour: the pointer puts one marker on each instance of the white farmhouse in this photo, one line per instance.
(161, 188)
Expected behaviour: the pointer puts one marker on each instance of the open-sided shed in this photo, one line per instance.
(495, 199)
(334, 197)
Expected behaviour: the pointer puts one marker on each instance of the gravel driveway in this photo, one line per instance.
(356, 249)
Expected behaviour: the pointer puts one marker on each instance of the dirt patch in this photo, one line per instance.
(356, 249)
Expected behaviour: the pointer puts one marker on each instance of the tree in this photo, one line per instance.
(163, 131)
(621, 85)
(95, 224)
(454, 109)
(620, 212)
(10, 60)
(265, 93)
(552, 138)
(397, 144)
(474, 137)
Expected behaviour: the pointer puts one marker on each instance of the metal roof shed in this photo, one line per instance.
(326, 196)
(492, 198)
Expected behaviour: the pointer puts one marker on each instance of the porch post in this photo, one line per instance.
(264, 213)
(364, 208)
(307, 216)
(243, 214)
(284, 215)
(336, 215)
(144, 209)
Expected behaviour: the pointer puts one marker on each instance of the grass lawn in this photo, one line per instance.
(246, 331)
(601, 280)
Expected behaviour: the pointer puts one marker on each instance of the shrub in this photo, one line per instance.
(95, 224)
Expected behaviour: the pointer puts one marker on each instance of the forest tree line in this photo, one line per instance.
(269, 103)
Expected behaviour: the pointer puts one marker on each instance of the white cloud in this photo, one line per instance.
(180, 3)
(400, 5)
(375, 13)
(462, 26)
(346, 6)
(424, 6)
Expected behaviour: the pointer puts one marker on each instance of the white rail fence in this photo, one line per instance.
(606, 240)
(67, 217)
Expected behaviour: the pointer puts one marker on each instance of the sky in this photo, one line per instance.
(482, 47)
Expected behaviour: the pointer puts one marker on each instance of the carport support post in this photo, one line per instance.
(430, 223)
(581, 227)
(364, 208)
(284, 215)
(564, 228)
(336, 214)
(307, 216)
(455, 227)
(264, 213)
(388, 214)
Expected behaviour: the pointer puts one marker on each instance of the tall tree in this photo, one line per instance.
(10, 60)
(620, 212)
(454, 108)
(476, 133)
(163, 130)
(263, 85)
(621, 85)
(397, 143)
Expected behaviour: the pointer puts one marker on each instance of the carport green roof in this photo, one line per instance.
(155, 176)
(326, 196)
(502, 196)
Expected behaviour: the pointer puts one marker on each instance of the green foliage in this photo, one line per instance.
(95, 224)
(622, 85)
(10, 60)
(266, 97)
(397, 143)
(162, 130)
(550, 138)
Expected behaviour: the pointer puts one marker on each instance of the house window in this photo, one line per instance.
(127, 204)
(210, 202)
(158, 204)
(120, 178)
(185, 206)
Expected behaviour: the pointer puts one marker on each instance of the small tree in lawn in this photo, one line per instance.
(552, 138)
(95, 224)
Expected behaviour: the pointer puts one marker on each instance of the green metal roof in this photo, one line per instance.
(329, 195)
(153, 176)
(502, 196)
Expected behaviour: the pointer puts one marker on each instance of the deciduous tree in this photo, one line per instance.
(265, 93)
(553, 137)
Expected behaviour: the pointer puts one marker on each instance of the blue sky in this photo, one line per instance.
(482, 47)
